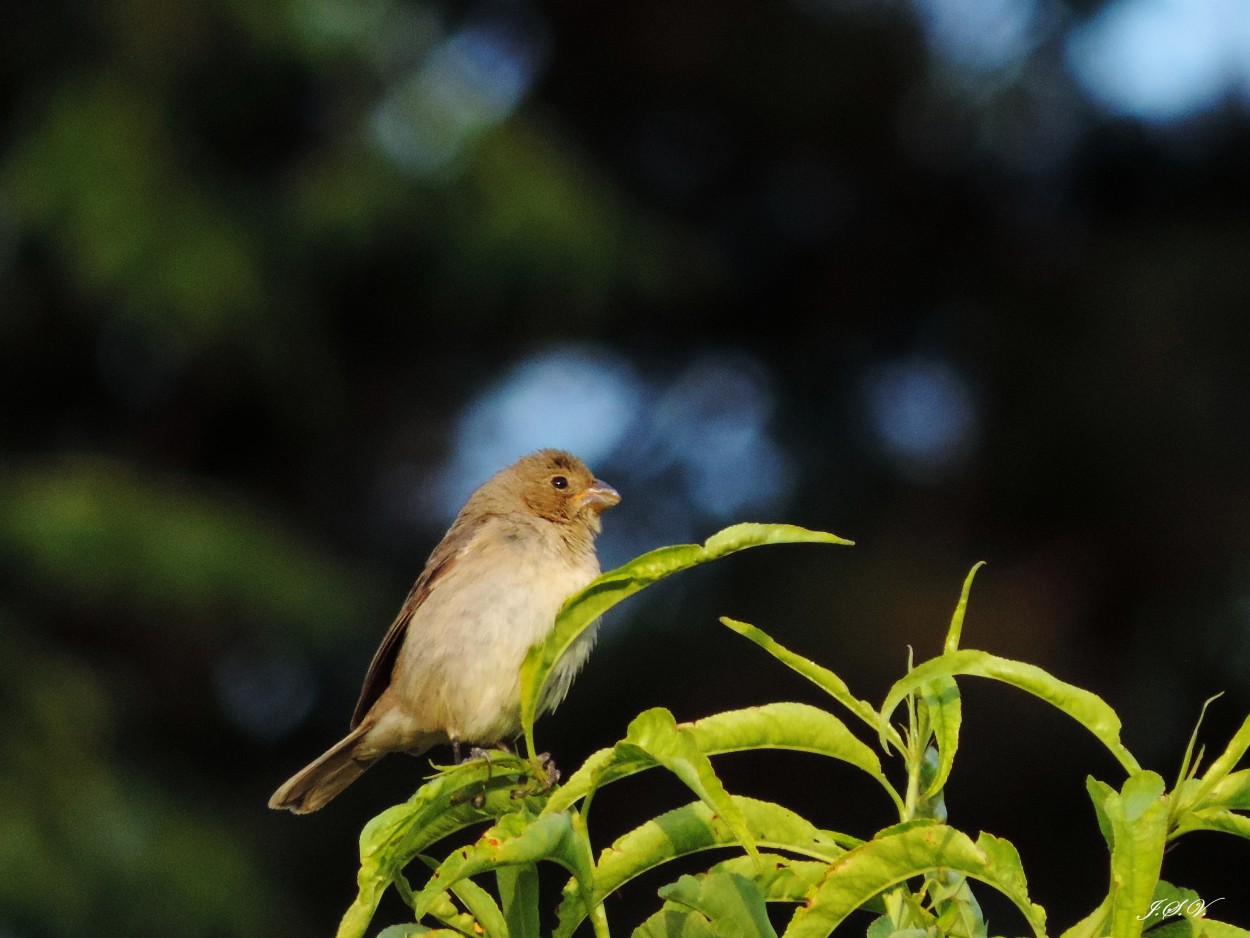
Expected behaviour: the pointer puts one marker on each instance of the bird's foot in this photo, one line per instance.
(542, 781)
(476, 753)
(548, 765)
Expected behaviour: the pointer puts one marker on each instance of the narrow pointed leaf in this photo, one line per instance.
(518, 893)
(1213, 819)
(447, 912)
(793, 726)
(896, 855)
(582, 609)
(959, 914)
(1227, 760)
(397, 836)
(944, 713)
(691, 829)
(779, 878)
(1232, 792)
(482, 915)
(1094, 924)
(1189, 767)
(940, 697)
(730, 902)
(822, 677)
(1099, 792)
(655, 734)
(1088, 709)
(515, 840)
(483, 907)
(955, 632)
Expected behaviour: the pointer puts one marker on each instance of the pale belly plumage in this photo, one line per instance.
(458, 674)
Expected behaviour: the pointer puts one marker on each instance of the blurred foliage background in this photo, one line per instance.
(959, 279)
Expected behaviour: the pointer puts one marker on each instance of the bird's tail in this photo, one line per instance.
(314, 785)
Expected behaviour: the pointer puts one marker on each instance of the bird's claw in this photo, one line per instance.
(541, 781)
(548, 765)
(547, 775)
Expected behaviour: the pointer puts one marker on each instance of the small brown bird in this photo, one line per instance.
(449, 668)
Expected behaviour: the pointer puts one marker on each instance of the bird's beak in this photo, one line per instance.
(599, 496)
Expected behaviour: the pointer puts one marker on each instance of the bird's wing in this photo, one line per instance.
(379, 675)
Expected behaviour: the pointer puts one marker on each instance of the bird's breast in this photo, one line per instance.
(459, 669)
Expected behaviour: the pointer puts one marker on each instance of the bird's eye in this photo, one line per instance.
(560, 482)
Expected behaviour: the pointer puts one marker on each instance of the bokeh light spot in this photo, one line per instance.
(713, 423)
(470, 82)
(1163, 60)
(923, 415)
(266, 695)
(577, 398)
(979, 34)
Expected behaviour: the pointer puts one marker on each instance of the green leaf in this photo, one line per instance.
(1094, 924)
(675, 921)
(1214, 811)
(447, 912)
(444, 805)
(1169, 901)
(581, 610)
(943, 713)
(1099, 792)
(518, 893)
(883, 927)
(955, 631)
(1177, 928)
(1232, 792)
(691, 829)
(1213, 819)
(822, 677)
(1227, 760)
(1210, 928)
(899, 853)
(482, 915)
(484, 909)
(515, 840)
(941, 706)
(656, 735)
(792, 726)
(1183, 912)
(796, 726)
(958, 912)
(778, 878)
(730, 902)
(1138, 818)
(1088, 709)
(1189, 767)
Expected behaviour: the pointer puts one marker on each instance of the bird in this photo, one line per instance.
(448, 670)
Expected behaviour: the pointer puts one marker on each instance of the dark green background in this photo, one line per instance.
(240, 340)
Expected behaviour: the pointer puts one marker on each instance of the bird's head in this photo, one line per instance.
(557, 486)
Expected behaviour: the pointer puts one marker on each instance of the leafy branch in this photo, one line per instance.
(915, 877)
